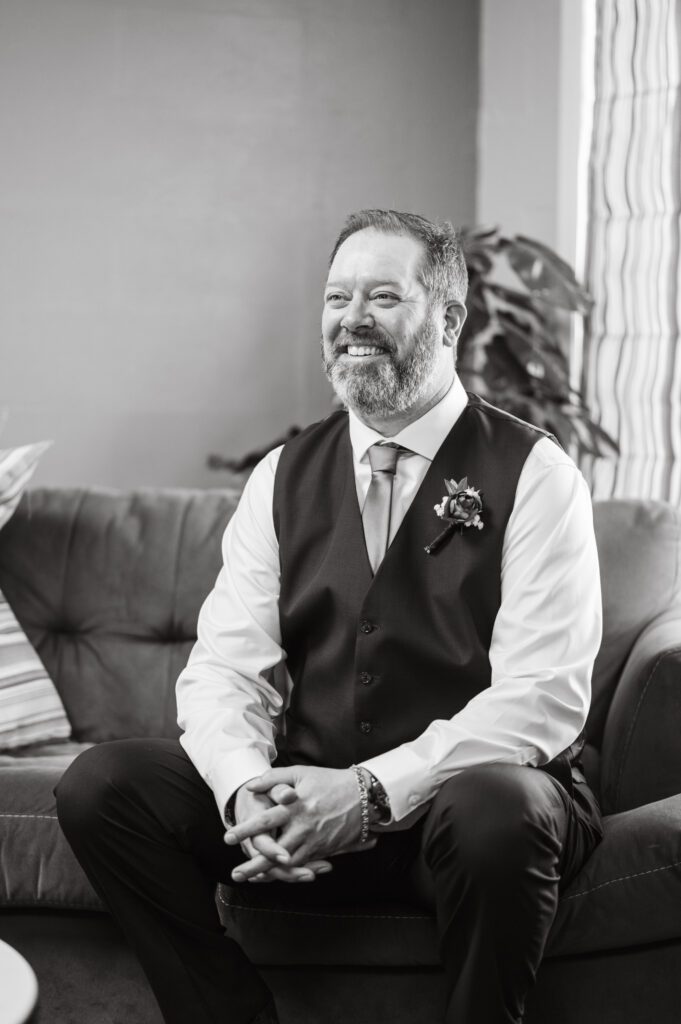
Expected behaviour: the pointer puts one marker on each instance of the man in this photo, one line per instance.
(436, 688)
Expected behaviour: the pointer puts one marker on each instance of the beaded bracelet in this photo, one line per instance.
(364, 803)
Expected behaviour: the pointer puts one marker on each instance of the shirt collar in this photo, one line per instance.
(424, 435)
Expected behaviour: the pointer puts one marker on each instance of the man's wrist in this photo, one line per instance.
(379, 802)
(230, 806)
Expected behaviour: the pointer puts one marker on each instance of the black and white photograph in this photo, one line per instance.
(340, 511)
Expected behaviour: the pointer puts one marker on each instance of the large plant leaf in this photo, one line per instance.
(512, 298)
(483, 233)
(541, 363)
(541, 333)
(552, 257)
(478, 261)
(503, 370)
(545, 275)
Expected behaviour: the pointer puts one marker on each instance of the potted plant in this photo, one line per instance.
(513, 349)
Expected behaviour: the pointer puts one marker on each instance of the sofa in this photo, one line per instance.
(108, 586)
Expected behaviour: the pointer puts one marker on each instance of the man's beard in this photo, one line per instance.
(383, 386)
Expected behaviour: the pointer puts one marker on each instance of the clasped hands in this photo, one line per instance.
(289, 820)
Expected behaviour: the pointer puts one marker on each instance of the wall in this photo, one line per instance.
(528, 143)
(536, 85)
(173, 174)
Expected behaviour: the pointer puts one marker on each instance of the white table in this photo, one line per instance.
(18, 987)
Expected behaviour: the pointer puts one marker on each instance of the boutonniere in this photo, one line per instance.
(460, 508)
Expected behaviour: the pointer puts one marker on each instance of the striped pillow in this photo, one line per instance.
(31, 710)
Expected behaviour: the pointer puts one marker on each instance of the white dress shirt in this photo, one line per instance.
(545, 638)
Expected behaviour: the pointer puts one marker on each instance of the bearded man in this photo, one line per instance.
(426, 566)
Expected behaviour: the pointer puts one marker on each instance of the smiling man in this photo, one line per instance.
(427, 743)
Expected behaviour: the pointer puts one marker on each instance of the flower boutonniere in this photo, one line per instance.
(460, 507)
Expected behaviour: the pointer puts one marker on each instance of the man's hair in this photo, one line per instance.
(443, 271)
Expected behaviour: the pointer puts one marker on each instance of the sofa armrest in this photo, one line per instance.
(641, 753)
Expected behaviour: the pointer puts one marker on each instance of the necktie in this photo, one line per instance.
(376, 512)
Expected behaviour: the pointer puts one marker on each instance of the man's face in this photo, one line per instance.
(381, 340)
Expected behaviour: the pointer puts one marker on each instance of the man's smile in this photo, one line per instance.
(360, 350)
(352, 352)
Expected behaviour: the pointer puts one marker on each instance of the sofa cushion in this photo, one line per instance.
(38, 867)
(627, 894)
(108, 587)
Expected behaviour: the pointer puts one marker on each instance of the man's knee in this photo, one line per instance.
(97, 775)
(495, 819)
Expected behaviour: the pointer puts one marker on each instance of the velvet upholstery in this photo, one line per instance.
(108, 587)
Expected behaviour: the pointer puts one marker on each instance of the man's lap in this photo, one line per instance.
(396, 867)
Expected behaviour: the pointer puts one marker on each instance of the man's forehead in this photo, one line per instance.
(376, 254)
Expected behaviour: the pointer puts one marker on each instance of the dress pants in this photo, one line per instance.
(489, 857)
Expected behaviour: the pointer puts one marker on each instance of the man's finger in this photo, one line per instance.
(250, 868)
(270, 848)
(264, 821)
(283, 793)
(263, 783)
(259, 866)
(320, 867)
(287, 875)
(292, 873)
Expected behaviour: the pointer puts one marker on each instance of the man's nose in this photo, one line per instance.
(356, 316)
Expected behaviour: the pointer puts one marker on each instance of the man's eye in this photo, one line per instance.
(335, 298)
(386, 297)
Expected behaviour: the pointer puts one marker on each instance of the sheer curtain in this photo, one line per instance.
(632, 355)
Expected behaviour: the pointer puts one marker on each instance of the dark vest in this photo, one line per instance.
(375, 659)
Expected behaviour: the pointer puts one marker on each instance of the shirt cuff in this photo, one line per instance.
(405, 779)
(232, 772)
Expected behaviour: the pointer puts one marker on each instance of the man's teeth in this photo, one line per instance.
(364, 350)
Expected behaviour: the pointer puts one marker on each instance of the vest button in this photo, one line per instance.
(365, 726)
(365, 678)
(366, 626)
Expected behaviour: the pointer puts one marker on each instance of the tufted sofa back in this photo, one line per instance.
(639, 550)
(108, 586)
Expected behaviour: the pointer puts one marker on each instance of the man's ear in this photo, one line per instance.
(455, 315)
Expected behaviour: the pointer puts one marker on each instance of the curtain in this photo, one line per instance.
(632, 354)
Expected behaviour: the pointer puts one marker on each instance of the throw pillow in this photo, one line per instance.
(31, 710)
(17, 466)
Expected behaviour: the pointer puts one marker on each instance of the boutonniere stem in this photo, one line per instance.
(436, 544)
(461, 507)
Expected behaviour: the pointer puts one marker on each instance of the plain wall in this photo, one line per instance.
(519, 168)
(536, 94)
(173, 173)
